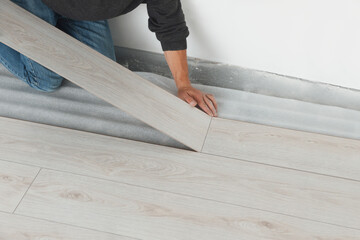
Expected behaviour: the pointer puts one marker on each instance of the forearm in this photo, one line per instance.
(177, 61)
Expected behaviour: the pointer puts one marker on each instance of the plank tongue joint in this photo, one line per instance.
(101, 76)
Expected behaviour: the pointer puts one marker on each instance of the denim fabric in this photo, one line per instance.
(95, 34)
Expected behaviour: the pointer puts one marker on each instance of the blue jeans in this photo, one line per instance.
(95, 34)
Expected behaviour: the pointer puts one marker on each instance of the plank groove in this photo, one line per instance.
(296, 193)
(15, 227)
(101, 76)
(15, 179)
(149, 214)
(284, 147)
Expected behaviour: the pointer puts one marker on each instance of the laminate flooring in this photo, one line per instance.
(306, 151)
(101, 76)
(89, 182)
(247, 181)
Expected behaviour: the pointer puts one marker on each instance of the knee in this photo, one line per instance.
(45, 84)
(49, 88)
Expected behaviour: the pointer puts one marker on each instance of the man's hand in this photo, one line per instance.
(195, 97)
(177, 62)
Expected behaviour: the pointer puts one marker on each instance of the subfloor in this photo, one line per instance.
(58, 183)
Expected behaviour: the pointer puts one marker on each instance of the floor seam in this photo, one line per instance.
(27, 190)
(207, 132)
(211, 154)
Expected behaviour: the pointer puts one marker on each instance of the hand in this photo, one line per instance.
(195, 97)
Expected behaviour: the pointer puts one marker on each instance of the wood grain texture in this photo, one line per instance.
(101, 76)
(15, 179)
(149, 214)
(283, 147)
(280, 190)
(15, 227)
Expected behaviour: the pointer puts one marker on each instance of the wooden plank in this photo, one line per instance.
(101, 76)
(149, 214)
(15, 179)
(283, 147)
(15, 227)
(280, 190)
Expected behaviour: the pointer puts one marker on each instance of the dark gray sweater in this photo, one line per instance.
(166, 17)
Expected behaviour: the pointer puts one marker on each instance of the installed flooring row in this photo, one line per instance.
(65, 184)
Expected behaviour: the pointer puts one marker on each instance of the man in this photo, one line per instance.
(86, 21)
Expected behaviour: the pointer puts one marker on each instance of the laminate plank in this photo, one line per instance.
(286, 191)
(149, 214)
(101, 76)
(15, 179)
(284, 147)
(15, 227)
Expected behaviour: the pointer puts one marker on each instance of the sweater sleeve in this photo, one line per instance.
(167, 20)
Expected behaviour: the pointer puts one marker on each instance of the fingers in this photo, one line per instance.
(190, 100)
(195, 97)
(211, 97)
(205, 108)
(210, 105)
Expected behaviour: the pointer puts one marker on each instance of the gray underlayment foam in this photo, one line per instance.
(75, 108)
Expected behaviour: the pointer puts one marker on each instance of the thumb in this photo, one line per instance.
(190, 100)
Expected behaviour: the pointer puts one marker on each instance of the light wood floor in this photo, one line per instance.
(246, 181)
(287, 148)
(58, 183)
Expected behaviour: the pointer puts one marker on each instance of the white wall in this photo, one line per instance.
(318, 40)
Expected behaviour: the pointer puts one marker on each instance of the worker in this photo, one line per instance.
(86, 20)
